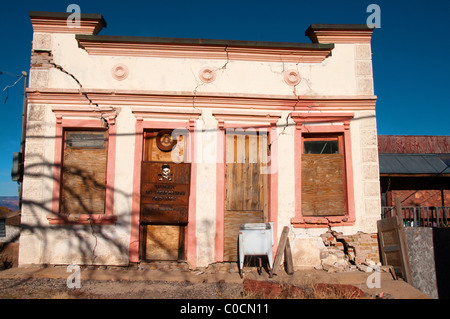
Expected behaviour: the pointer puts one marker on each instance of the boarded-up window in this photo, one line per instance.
(323, 176)
(84, 172)
(163, 242)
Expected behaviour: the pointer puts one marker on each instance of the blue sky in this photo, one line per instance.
(410, 50)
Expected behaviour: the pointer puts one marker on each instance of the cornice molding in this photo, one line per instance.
(56, 22)
(170, 100)
(101, 112)
(159, 113)
(339, 33)
(316, 117)
(267, 117)
(300, 54)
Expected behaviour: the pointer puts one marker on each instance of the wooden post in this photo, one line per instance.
(284, 247)
(398, 207)
(288, 258)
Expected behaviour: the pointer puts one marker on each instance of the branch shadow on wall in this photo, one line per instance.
(35, 215)
(88, 244)
(85, 241)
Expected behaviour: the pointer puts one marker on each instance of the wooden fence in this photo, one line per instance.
(419, 216)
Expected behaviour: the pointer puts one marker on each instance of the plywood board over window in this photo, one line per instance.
(323, 181)
(84, 172)
(246, 199)
(164, 242)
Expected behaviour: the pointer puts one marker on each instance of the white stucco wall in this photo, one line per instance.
(345, 73)
(334, 76)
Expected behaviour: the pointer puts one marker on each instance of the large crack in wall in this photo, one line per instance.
(59, 67)
(344, 252)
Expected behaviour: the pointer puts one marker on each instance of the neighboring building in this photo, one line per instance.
(142, 148)
(415, 169)
(9, 225)
(415, 184)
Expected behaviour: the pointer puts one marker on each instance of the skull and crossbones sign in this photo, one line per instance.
(165, 173)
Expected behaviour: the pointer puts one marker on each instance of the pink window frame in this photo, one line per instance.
(88, 123)
(325, 123)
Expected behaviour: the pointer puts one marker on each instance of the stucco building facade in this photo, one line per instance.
(141, 148)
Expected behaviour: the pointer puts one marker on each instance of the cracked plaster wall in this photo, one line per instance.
(41, 243)
(337, 75)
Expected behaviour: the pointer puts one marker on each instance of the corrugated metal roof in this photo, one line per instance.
(414, 163)
(414, 144)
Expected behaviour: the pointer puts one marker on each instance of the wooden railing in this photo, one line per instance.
(419, 216)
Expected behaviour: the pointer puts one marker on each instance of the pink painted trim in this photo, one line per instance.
(62, 123)
(178, 50)
(153, 112)
(60, 25)
(110, 168)
(83, 219)
(292, 77)
(298, 170)
(207, 74)
(349, 170)
(120, 72)
(340, 36)
(264, 117)
(301, 119)
(219, 100)
(322, 129)
(273, 185)
(190, 239)
(136, 197)
(57, 161)
(220, 193)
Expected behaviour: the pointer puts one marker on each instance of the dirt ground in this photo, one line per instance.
(49, 288)
(51, 283)
(121, 284)
(114, 288)
(189, 293)
(148, 282)
(46, 288)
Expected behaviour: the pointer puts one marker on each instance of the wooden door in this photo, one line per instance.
(393, 246)
(246, 199)
(165, 185)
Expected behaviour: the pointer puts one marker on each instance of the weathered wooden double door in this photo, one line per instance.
(165, 185)
(246, 178)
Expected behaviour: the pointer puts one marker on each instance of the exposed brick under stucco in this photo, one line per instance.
(358, 247)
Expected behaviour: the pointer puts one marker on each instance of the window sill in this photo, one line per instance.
(83, 219)
(321, 222)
